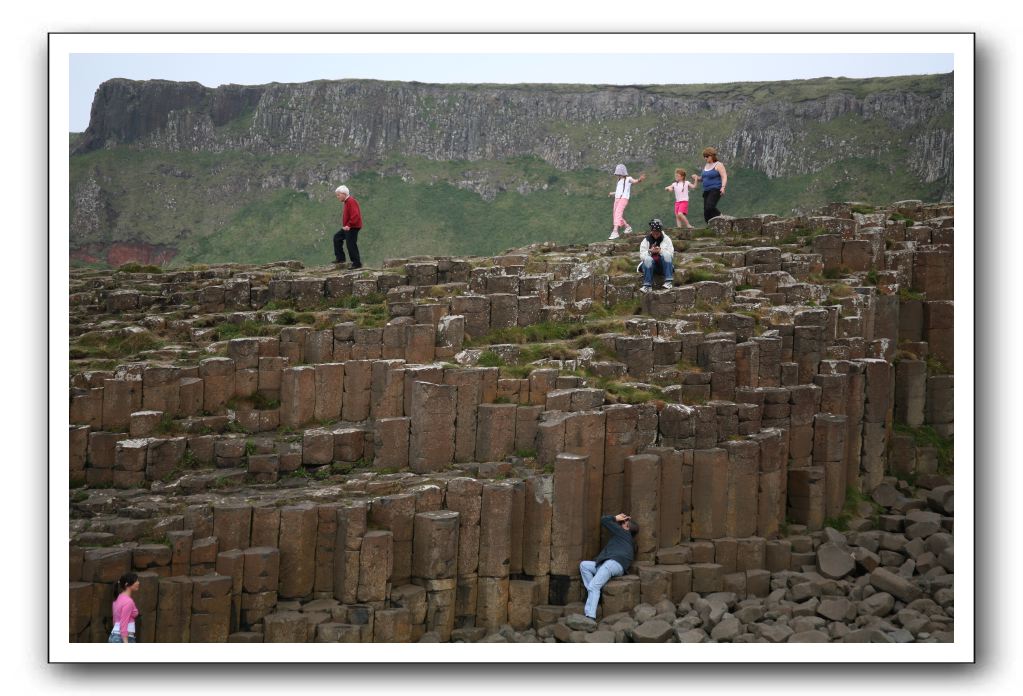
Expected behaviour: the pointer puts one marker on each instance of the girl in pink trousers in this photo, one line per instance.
(621, 195)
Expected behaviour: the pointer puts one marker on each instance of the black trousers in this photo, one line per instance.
(710, 204)
(351, 238)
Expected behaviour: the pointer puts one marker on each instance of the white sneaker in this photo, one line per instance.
(614, 235)
(628, 229)
(645, 288)
(667, 285)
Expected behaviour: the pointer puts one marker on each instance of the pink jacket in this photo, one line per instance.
(124, 613)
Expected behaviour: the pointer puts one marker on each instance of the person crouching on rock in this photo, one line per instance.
(351, 223)
(611, 562)
(655, 254)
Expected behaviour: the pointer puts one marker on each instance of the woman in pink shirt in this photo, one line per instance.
(125, 612)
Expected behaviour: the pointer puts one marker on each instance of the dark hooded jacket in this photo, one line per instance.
(619, 548)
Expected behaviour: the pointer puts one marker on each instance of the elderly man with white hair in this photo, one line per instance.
(351, 223)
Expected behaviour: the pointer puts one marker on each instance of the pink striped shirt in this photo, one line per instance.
(124, 612)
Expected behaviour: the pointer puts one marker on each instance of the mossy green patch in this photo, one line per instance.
(926, 436)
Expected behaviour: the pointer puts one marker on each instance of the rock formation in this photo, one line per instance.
(170, 170)
(422, 452)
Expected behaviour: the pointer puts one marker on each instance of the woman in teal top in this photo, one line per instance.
(714, 179)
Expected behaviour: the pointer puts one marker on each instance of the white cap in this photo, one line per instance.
(341, 189)
(620, 170)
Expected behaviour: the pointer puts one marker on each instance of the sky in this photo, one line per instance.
(89, 70)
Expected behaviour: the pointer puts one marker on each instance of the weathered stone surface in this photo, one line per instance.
(314, 471)
(834, 561)
(886, 581)
(652, 631)
(432, 433)
(727, 630)
(809, 637)
(297, 549)
(836, 609)
(435, 544)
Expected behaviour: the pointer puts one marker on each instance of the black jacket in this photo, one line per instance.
(619, 548)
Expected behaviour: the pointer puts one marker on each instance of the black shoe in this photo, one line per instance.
(356, 266)
(338, 262)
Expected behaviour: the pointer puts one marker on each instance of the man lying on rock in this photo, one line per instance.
(611, 562)
(655, 255)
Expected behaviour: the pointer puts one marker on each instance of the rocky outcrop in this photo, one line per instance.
(193, 170)
(120, 253)
(569, 127)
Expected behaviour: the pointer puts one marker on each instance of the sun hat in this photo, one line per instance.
(620, 170)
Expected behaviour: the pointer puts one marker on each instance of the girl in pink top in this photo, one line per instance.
(681, 188)
(125, 612)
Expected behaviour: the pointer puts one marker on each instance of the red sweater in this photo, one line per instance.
(352, 215)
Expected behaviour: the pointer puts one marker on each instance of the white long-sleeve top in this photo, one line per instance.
(623, 189)
(667, 250)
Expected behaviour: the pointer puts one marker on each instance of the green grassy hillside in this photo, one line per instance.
(243, 205)
(182, 204)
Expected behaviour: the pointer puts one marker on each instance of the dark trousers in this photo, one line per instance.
(710, 204)
(351, 238)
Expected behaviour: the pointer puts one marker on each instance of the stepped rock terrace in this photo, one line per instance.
(423, 452)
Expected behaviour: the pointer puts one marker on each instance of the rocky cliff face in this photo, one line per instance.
(782, 130)
(565, 127)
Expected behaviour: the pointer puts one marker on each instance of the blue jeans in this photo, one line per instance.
(594, 579)
(116, 638)
(656, 264)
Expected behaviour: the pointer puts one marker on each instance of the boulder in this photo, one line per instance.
(727, 629)
(773, 633)
(877, 604)
(885, 495)
(653, 631)
(578, 622)
(836, 609)
(867, 635)
(942, 499)
(693, 635)
(834, 561)
(600, 637)
(808, 637)
(887, 581)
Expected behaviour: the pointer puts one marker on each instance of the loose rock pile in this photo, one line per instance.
(423, 452)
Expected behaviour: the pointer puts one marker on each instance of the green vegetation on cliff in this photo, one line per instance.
(265, 202)
(422, 217)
